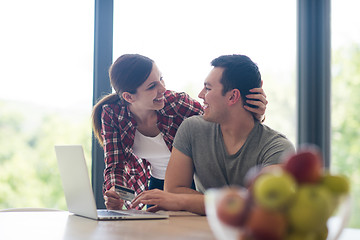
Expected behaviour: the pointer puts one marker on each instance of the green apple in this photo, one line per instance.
(311, 208)
(337, 184)
(301, 236)
(274, 190)
(321, 235)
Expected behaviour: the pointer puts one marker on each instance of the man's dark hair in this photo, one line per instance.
(239, 73)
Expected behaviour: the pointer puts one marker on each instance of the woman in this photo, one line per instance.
(137, 124)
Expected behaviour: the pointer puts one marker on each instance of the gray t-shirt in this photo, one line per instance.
(214, 167)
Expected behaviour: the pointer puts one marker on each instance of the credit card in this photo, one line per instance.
(125, 193)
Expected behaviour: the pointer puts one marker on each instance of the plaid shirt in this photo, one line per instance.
(122, 166)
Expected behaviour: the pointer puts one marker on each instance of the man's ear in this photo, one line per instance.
(234, 97)
(127, 97)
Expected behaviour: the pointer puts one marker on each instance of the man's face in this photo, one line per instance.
(214, 101)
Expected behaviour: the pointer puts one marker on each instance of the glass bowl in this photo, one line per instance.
(222, 231)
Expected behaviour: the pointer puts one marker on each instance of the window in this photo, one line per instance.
(45, 96)
(182, 37)
(345, 97)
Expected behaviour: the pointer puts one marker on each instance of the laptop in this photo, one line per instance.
(78, 191)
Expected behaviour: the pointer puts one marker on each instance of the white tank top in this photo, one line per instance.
(154, 150)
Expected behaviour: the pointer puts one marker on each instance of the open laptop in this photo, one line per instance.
(78, 192)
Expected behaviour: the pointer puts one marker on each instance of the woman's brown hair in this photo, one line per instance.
(126, 74)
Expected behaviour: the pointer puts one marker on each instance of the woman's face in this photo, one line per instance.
(150, 94)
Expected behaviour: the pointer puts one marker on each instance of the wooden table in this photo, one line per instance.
(64, 225)
(52, 225)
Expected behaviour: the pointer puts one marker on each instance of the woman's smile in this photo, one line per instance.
(160, 99)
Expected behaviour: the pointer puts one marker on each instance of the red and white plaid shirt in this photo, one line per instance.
(122, 166)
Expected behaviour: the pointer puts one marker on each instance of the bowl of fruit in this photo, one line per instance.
(298, 200)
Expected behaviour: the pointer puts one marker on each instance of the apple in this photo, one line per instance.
(321, 235)
(337, 184)
(274, 190)
(254, 172)
(265, 224)
(310, 209)
(306, 165)
(301, 236)
(232, 208)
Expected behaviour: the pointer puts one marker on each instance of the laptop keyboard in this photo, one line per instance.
(111, 213)
(123, 213)
(139, 212)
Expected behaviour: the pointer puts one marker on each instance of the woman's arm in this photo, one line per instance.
(121, 167)
(258, 99)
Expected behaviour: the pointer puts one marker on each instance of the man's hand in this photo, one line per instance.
(163, 200)
(112, 200)
(160, 199)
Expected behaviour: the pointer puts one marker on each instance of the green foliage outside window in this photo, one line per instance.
(29, 175)
(346, 121)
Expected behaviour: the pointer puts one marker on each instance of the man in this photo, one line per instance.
(219, 147)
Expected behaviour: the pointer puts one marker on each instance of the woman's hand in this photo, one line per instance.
(112, 200)
(258, 99)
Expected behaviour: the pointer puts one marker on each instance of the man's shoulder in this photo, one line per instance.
(266, 130)
(197, 120)
(271, 136)
(196, 124)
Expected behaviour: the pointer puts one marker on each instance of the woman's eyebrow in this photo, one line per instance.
(151, 84)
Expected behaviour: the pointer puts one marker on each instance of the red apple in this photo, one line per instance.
(306, 165)
(264, 224)
(233, 207)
